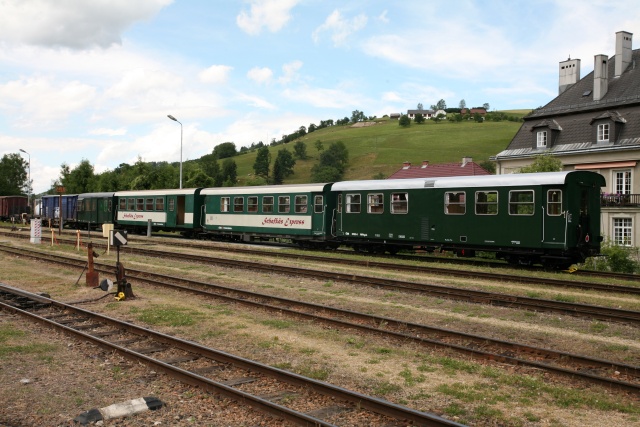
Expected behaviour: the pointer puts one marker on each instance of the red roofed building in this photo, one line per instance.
(466, 168)
(473, 111)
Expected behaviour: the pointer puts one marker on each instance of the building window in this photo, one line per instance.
(486, 203)
(454, 203)
(301, 204)
(375, 203)
(224, 204)
(353, 203)
(603, 132)
(622, 230)
(318, 204)
(267, 204)
(283, 204)
(521, 202)
(623, 182)
(252, 204)
(554, 202)
(238, 204)
(399, 203)
(542, 139)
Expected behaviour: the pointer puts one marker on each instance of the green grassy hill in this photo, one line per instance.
(383, 147)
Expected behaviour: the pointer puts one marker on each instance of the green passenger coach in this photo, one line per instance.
(300, 213)
(95, 209)
(167, 210)
(547, 218)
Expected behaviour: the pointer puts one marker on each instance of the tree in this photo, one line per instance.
(283, 166)
(463, 104)
(78, 180)
(486, 106)
(229, 173)
(419, 118)
(404, 121)
(332, 165)
(420, 106)
(300, 150)
(543, 163)
(356, 116)
(13, 175)
(319, 146)
(262, 163)
(441, 105)
(224, 150)
(209, 165)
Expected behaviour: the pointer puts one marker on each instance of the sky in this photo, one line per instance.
(95, 79)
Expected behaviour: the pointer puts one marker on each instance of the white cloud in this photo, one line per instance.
(325, 98)
(272, 14)
(217, 74)
(290, 71)
(260, 75)
(75, 24)
(39, 102)
(383, 17)
(256, 101)
(339, 27)
(108, 132)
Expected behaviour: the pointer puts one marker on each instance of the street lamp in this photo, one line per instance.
(176, 120)
(29, 182)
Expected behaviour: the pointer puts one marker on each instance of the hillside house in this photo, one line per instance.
(427, 114)
(593, 124)
(473, 111)
(426, 170)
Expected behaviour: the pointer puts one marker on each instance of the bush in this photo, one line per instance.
(617, 259)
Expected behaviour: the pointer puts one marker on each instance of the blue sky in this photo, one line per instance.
(96, 79)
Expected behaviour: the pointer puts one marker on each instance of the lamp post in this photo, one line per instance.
(176, 120)
(29, 182)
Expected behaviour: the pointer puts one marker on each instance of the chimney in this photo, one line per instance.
(600, 77)
(466, 160)
(569, 72)
(425, 163)
(406, 165)
(623, 52)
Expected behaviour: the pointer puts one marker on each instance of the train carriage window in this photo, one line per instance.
(160, 204)
(238, 204)
(399, 203)
(224, 204)
(149, 206)
(375, 203)
(339, 203)
(172, 204)
(353, 203)
(109, 205)
(521, 202)
(80, 205)
(123, 204)
(284, 203)
(486, 202)
(267, 204)
(131, 204)
(318, 204)
(252, 204)
(455, 203)
(140, 204)
(554, 202)
(301, 204)
(94, 205)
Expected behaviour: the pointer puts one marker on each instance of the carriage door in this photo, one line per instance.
(554, 229)
(180, 210)
(171, 209)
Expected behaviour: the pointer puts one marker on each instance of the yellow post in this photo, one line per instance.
(77, 240)
(53, 233)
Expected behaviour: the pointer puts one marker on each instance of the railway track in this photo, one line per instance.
(467, 295)
(291, 397)
(422, 269)
(611, 374)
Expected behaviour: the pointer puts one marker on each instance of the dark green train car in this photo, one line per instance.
(300, 213)
(167, 210)
(548, 218)
(95, 209)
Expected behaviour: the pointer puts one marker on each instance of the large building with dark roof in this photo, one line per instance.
(467, 167)
(593, 124)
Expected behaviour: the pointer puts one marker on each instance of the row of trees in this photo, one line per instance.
(442, 105)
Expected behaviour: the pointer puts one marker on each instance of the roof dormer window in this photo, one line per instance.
(603, 133)
(541, 139)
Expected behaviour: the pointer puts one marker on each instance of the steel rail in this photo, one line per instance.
(358, 400)
(417, 334)
(457, 294)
